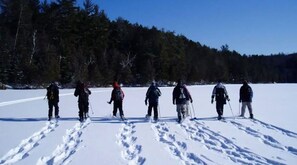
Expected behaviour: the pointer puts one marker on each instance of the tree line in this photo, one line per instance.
(59, 41)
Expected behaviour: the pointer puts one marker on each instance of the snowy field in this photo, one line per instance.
(28, 138)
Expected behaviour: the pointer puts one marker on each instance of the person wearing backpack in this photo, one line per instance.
(220, 94)
(153, 93)
(83, 93)
(245, 96)
(181, 97)
(52, 95)
(117, 96)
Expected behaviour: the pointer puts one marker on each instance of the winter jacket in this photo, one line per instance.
(153, 93)
(117, 93)
(53, 93)
(82, 92)
(246, 93)
(181, 94)
(220, 93)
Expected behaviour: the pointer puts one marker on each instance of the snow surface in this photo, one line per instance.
(28, 138)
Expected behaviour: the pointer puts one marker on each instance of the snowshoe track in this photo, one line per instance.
(218, 143)
(266, 139)
(22, 150)
(126, 139)
(275, 128)
(70, 145)
(177, 148)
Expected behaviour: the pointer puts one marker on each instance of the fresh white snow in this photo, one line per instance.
(28, 138)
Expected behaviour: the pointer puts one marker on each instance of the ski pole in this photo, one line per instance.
(159, 111)
(231, 108)
(193, 111)
(190, 111)
(91, 108)
(239, 109)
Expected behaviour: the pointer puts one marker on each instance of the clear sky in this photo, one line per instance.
(246, 26)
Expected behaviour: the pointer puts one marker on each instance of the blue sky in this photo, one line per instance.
(246, 26)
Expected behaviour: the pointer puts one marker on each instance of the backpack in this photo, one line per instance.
(154, 93)
(84, 95)
(220, 95)
(182, 94)
(118, 94)
(50, 93)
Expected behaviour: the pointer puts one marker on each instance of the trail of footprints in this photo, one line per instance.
(21, 151)
(267, 139)
(126, 139)
(70, 145)
(177, 148)
(214, 141)
(131, 151)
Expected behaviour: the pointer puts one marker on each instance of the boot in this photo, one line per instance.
(251, 116)
(219, 117)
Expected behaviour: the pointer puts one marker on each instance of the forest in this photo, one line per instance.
(45, 41)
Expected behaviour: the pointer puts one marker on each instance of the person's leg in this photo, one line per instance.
(178, 110)
(219, 107)
(50, 110)
(81, 110)
(149, 110)
(121, 109)
(155, 111)
(249, 105)
(114, 112)
(243, 108)
(56, 109)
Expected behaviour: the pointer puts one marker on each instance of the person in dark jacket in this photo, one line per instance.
(181, 97)
(245, 96)
(53, 100)
(220, 94)
(153, 93)
(83, 93)
(117, 96)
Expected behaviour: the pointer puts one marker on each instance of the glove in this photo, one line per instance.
(227, 97)
(211, 100)
(109, 102)
(173, 102)
(240, 100)
(191, 101)
(145, 102)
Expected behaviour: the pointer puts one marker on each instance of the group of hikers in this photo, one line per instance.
(181, 97)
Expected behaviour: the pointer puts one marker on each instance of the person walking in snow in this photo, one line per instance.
(153, 93)
(83, 93)
(117, 96)
(181, 97)
(220, 94)
(245, 96)
(52, 95)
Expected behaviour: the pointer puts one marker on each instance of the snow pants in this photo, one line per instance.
(244, 105)
(220, 107)
(51, 104)
(155, 107)
(182, 111)
(83, 109)
(118, 105)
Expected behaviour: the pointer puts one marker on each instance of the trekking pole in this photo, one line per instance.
(91, 108)
(193, 111)
(231, 109)
(159, 111)
(190, 111)
(239, 109)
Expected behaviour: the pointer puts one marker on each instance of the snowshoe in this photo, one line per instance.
(123, 118)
